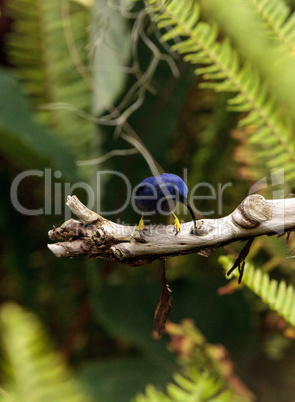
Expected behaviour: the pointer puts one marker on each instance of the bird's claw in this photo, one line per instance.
(143, 230)
(141, 225)
(176, 225)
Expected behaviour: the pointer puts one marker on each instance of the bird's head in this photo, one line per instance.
(165, 191)
(179, 189)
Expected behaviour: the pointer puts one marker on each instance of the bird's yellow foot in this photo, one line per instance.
(141, 224)
(176, 224)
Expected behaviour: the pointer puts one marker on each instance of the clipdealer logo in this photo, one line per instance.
(55, 192)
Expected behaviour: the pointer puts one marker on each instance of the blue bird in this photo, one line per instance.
(160, 194)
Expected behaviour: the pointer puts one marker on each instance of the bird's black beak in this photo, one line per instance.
(185, 202)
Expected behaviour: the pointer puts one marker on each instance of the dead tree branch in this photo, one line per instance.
(96, 237)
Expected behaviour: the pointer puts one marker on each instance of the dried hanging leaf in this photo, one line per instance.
(240, 261)
(163, 308)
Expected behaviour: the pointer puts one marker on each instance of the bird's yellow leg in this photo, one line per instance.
(176, 223)
(141, 223)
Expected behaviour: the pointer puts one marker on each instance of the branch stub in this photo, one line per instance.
(251, 212)
(84, 214)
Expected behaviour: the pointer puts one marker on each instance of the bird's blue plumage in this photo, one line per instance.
(160, 193)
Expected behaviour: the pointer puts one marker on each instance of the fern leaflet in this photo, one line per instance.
(279, 296)
(198, 387)
(279, 24)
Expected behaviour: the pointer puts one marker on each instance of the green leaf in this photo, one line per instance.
(27, 142)
(111, 41)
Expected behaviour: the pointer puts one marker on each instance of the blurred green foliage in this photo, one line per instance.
(28, 143)
(92, 63)
(39, 374)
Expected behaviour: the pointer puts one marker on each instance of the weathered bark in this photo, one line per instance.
(96, 237)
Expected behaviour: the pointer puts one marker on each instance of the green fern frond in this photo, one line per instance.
(279, 24)
(198, 387)
(223, 71)
(206, 376)
(48, 47)
(279, 296)
(151, 395)
(38, 373)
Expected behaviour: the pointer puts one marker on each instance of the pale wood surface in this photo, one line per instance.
(97, 237)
